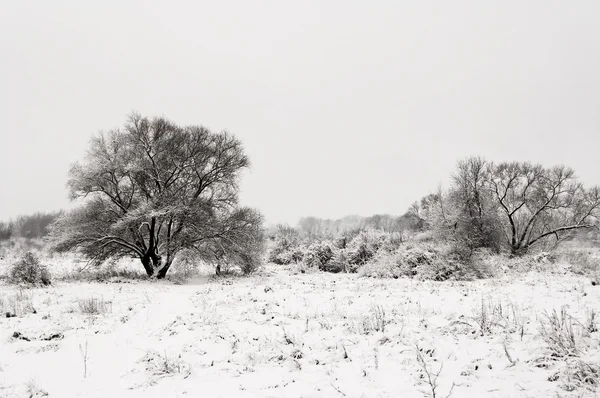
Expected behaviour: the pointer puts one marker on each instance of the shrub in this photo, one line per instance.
(416, 255)
(247, 255)
(429, 261)
(250, 260)
(286, 248)
(364, 246)
(290, 256)
(425, 261)
(388, 265)
(391, 242)
(341, 242)
(28, 270)
(319, 255)
(340, 262)
(280, 256)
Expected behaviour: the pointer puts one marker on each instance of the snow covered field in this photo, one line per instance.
(288, 334)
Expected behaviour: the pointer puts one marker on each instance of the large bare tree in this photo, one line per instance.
(537, 203)
(152, 189)
(513, 205)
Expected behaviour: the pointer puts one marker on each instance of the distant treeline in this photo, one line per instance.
(28, 226)
(314, 227)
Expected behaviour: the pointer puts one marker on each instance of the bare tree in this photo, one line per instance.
(538, 203)
(426, 208)
(154, 188)
(514, 205)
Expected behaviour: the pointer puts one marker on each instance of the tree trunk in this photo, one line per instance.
(148, 266)
(518, 250)
(163, 271)
(151, 263)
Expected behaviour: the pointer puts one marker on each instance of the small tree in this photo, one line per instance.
(154, 188)
(472, 211)
(426, 210)
(536, 203)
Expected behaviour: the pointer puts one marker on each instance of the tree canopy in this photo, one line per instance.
(515, 205)
(152, 189)
(537, 202)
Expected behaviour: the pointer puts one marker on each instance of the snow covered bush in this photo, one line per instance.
(423, 261)
(388, 265)
(287, 248)
(340, 262)
(363, 247)
(28, 270)
(319, 255)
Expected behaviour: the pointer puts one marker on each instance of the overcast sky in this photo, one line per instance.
(344, 107)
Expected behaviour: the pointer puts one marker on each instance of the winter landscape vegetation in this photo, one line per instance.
(157, 277)
(159, 283)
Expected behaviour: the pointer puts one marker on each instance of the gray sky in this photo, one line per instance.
(345, 107)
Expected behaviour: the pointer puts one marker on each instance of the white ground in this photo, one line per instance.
(284, 335)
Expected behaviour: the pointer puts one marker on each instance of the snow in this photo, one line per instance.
(282, 334)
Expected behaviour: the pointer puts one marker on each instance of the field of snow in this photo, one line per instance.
(288, 334)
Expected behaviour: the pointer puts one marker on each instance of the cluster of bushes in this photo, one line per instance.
(423, 261)
(333, 255)
(493, 217)
(286, 246)
(371, 253)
